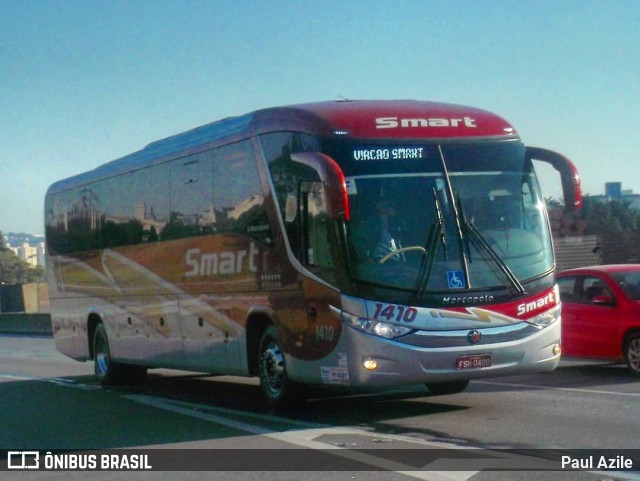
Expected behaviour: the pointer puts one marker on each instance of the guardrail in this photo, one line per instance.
(26, 324)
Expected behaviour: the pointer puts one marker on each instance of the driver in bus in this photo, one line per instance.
(372, 232)
(386, 242)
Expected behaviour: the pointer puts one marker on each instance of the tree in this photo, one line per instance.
(13, 270)
(612, 216)
(595, 218)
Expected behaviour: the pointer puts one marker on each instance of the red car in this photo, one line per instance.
(601, 313)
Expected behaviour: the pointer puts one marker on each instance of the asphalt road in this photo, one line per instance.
(49, 402)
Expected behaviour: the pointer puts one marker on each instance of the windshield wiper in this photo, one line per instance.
(436, 237)
(481, 243)
(440, 217)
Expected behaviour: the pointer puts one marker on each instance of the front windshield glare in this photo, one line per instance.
(437, 232)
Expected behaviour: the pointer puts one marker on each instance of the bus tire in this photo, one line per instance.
(277, 389)
(451, 387)
(109, 372)
(632, 353)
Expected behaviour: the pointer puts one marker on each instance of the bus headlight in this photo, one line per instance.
(389, 331)
(546, 318)
(377, 328)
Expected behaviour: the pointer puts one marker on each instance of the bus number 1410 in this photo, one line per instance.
(324, 333)
(391, 312)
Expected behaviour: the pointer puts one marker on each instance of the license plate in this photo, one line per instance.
(473, 362)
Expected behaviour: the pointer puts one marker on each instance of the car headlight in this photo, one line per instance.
(546, 318)
(377, 328)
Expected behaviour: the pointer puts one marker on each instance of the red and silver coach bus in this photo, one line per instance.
(354, 244)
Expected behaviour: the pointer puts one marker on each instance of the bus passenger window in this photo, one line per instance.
(73, 220)
(191, 198)
(237, 193)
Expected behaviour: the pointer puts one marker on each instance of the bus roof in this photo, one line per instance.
(368, 119)
(408, 119)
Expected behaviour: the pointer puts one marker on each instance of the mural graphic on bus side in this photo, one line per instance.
(218, 280)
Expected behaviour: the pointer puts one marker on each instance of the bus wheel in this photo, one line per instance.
(278, 391)
(632, 354)
(108, 371)
(451, 387)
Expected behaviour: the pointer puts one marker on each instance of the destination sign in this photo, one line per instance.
(395, 153)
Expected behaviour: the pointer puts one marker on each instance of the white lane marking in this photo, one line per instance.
(623, 475)
(434, 471)
(247, 414)
(437, 470)
(552, 388)
(196, 411)
(16, 377)
(302, 438)
(61, 381)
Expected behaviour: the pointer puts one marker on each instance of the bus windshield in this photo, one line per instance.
(464, 216)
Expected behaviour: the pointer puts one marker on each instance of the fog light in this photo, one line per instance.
(370, 364)
(557, 349)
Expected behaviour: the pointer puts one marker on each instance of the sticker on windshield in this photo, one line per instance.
(456, 280)
(351, 186)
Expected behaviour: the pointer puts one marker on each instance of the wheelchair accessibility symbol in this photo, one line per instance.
(456, 280)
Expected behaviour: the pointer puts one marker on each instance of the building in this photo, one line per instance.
(614, 191)
(32, 255)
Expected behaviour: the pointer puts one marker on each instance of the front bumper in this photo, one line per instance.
(399, 363)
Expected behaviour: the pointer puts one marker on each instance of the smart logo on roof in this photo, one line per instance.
(395, 122)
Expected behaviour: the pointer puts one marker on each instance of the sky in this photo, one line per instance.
(83, 82)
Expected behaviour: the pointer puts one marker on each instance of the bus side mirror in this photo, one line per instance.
(569, 176)
(332, 179)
